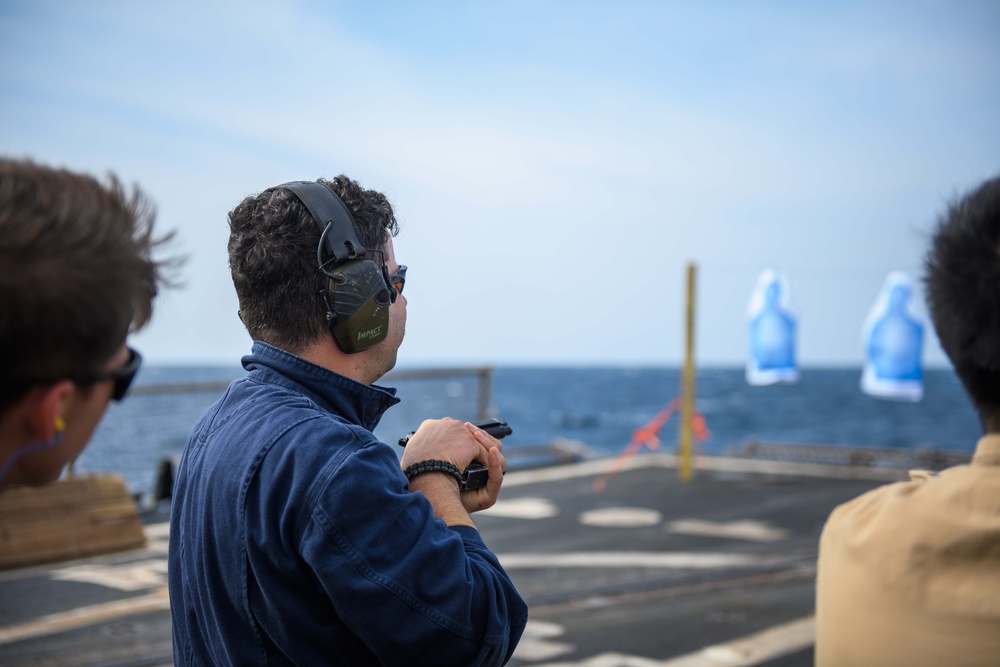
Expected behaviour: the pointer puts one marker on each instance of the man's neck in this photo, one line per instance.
(324, 352)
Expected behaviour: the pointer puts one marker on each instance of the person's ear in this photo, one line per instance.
(46, 407)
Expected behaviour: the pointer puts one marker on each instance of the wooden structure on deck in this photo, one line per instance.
(83, 515)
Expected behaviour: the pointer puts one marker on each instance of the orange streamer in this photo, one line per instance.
(648, 436)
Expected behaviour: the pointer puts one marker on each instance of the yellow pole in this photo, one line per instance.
(687, 382)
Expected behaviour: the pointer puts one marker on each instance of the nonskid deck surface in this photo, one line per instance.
(646, 571)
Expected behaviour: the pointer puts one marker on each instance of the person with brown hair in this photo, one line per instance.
(77, 275)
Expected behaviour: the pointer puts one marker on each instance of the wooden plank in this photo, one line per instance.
(71, 518)
(85, 520)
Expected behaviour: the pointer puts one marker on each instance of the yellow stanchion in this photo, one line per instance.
(687, 383)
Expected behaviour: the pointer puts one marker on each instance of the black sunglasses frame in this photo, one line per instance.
(121, 376)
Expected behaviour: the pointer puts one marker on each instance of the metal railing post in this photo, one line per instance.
(687, 382)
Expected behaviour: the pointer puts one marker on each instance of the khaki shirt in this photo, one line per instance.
(909, 573)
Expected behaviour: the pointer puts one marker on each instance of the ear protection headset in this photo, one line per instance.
(357, 293)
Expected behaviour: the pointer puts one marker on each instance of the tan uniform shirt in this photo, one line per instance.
(909, 573)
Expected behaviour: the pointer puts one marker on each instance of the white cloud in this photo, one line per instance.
(558, 203)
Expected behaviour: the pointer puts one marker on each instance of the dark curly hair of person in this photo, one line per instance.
(272, 256)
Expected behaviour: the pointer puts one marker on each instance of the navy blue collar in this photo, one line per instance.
(359, 403)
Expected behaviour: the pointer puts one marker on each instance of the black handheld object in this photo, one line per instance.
(476, 475)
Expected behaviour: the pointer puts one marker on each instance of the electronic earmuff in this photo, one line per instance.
(357, 293)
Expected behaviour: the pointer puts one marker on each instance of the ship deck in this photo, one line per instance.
(646, 571)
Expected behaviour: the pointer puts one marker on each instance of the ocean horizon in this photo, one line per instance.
(598, 405)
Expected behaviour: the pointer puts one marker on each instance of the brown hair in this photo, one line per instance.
(76, 272)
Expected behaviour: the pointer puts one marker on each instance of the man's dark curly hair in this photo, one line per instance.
(272, 256)
(963, 294)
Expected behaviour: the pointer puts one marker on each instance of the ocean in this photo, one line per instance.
(599, 407)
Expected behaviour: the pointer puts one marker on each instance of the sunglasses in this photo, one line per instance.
(398, 280)
(121, 376)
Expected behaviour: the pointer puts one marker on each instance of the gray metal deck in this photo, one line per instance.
(647, 571)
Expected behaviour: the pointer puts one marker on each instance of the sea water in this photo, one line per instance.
(599, 407)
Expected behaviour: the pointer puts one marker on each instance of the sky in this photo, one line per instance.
(554, 166)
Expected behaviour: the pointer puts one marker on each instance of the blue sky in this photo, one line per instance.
(554, 165)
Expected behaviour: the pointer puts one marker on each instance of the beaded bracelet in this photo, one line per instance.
(434, 465)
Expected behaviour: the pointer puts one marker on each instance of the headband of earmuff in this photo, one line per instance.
(357, 292)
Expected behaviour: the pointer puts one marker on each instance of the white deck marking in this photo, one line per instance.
(743, 652)
(755, 531)
(523, 508)
(718, 463)
(621, 517)
(82, 616)
(158, 537)
(129, 577)
(753, 649)
(158, 531)
(650, 559)
(536, 642)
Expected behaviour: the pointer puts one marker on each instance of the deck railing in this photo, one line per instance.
(483, 374)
